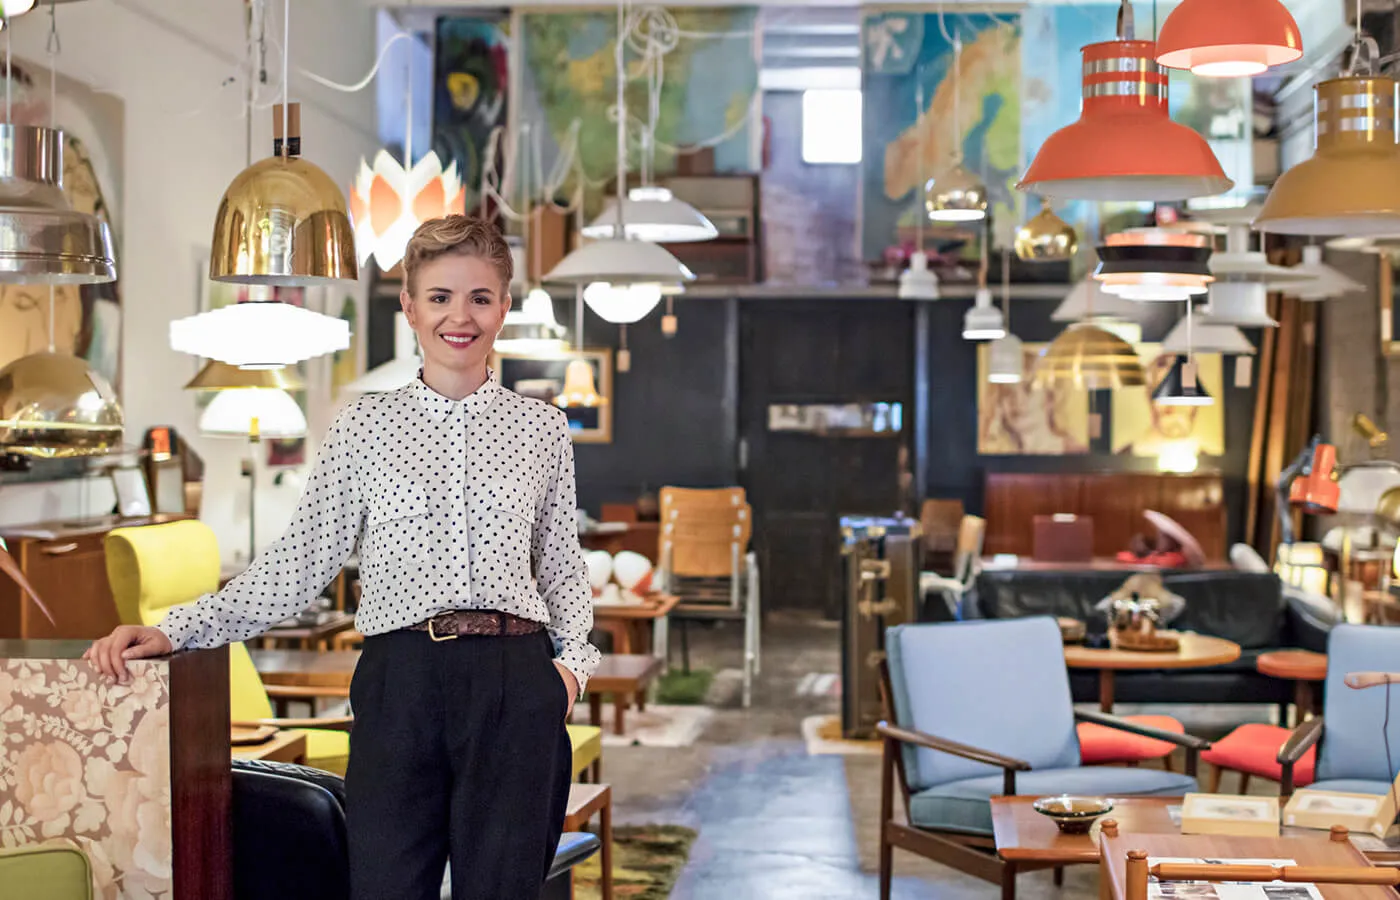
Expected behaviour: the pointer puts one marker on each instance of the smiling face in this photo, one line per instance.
(457, 305)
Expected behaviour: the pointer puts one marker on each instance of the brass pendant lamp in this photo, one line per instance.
(282, 220)
(1090, 358)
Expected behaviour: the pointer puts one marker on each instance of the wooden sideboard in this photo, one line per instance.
(67, 564)
(1114, 500)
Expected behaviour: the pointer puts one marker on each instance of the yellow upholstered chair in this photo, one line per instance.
(586, 742)
(154, 567)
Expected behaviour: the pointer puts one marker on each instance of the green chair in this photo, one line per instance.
(50, 871)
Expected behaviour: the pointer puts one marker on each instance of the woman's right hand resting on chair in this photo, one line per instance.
(110, 654)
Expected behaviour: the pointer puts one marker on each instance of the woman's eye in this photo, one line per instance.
(438, 298)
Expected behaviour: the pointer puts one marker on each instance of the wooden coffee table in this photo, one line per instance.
(623, 676)
(309, 637)
(629, 623)
(1195, 651)
(284, 746)
(1302, 667)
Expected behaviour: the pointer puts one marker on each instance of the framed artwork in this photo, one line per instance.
(541, 375)
(1029, 419)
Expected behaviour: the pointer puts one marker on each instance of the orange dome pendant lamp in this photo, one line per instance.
(1228, 38)
(1125, 146)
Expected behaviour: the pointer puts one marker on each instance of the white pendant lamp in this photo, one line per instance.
(1088, 302)
(397, 372)
(1326, 282)
(1239, 263)
(1005, 360)
(259, 334)
(388, 202)
(532, 328)
(652, 213)
(918, 282)
(983, 322)
(1198, 337)
(1244, 304)
(263, 412)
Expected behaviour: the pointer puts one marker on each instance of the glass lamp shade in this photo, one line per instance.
(1324, 281)
(1228, 40)
(42, 239)
(1088, 357)
(220, 376)
(282, 221)
(578, 386)
(1004, 363)
(259, 334)
(389, 202)
(1125, 145)
(918, 282)
(619, 261)
(653, 214)
(1244, 304)
(983, 322)
(1226, 340)
(1351, 184)
(243, 412)
(1154, 264)
(1181, 387)
(532, 328)
(397, 372)
(956, 196)
(53, 406)
(622, 304)
(1046, 238)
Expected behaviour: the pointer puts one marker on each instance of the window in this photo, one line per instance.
(831, 131)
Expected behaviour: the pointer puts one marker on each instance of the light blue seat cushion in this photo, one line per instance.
(1351, 786)
(995, 684)
(965, 805)
(1352, 748)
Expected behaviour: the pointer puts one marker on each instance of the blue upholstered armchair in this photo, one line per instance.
(980, 709)
(1351, 753)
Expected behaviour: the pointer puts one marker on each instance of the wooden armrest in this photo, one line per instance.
(975, 754)
(1303, 738)
(328, 723)
(1189, 741)
(303, 692)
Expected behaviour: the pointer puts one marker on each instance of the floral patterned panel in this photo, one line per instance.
(88, 760)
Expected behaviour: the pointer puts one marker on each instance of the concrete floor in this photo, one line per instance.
(777, 823)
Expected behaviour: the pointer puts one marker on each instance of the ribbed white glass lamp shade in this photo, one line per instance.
(1238, 303)
(983, 321)
(397, 372)
(622, 304)
(619, 261)
(1227, 340)
(653, 214)
(232, 413)
(918, 282)
(1326, 281)
(1005, 363)
(259, 334)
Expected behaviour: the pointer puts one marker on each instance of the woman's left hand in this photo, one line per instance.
(570, 685)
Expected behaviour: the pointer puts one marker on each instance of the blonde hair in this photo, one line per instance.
(457, 234)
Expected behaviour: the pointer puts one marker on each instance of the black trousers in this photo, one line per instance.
(459, 751)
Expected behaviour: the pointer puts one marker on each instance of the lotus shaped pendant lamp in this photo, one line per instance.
(389, 202)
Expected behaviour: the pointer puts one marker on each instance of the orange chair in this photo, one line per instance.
(1100, 745)
(1253, 750)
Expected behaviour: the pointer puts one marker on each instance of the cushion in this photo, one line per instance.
(1254, 748)
(52, 870)
(327, 749)
(1351, 786)
(965, 806)
(1352, 745)
(1100, 744)
(943, 685)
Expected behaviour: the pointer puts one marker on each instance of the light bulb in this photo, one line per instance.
(15, 7)
(622, 304)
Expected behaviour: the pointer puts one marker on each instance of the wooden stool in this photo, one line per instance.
(584, 801)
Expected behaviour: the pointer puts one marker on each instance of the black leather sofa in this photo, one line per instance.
(289, 836)
(1251, 609)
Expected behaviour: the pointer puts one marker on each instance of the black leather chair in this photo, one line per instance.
(289, 836)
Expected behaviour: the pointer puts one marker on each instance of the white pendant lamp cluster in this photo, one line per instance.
(1326, 282)
(1203, 337)
(652, 213)
(1244, 277)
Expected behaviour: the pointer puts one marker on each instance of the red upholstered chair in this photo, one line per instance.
(1253, 750)
(1100, 745)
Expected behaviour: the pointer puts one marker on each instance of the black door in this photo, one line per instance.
(826, 430)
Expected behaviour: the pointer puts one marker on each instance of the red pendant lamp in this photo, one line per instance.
(1125, 145)
(1228, 38)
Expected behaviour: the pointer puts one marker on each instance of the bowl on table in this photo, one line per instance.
(1073, 815)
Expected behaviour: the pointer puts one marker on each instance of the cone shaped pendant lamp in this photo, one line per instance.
(1125, 145)
(1228, 38)
(1351, 184)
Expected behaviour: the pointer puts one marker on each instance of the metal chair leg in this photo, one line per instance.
(685, 646)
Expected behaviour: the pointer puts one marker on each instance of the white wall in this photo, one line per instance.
(184, 141)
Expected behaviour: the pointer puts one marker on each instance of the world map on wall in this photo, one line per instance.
(709, 82)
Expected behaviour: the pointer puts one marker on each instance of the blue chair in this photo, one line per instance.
(980, 709)
(1351, 753)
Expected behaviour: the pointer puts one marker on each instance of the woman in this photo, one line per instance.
(457, 492)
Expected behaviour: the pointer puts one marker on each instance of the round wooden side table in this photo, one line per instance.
(1195, 651)
(1303, 667)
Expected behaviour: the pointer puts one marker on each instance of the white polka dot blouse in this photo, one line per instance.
(452, 504)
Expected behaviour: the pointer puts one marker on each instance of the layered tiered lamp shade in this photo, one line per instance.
(1124, 145)
(1153, 264)
(1229, 38)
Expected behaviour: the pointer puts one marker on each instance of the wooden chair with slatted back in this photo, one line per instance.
(940, 521)
(704, 559)
(967, 561)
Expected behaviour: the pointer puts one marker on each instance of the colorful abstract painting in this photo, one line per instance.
(470, 92)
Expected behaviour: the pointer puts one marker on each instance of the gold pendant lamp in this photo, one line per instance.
(1090, 358)
(53, 406)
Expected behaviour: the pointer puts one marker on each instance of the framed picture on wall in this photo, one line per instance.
(543, 376)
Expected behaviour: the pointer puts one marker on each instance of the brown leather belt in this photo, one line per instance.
(458, 622)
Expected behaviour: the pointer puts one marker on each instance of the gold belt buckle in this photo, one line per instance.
(448, 620)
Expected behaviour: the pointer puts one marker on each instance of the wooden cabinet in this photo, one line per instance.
(67, 565)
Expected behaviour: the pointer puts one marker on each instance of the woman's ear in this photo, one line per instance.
(406, 304)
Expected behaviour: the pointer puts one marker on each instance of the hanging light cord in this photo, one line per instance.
(286, 67)
(620, 231)
(919, 180)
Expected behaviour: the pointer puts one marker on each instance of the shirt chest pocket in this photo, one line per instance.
(398, 521)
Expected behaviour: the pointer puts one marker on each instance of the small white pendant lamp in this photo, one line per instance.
(918, 282)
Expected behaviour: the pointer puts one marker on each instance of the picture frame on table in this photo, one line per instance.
(133, 495)
(541, 375)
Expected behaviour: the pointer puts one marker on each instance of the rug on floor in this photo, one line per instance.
(659, 726)
(647, 860)
(823, 737)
